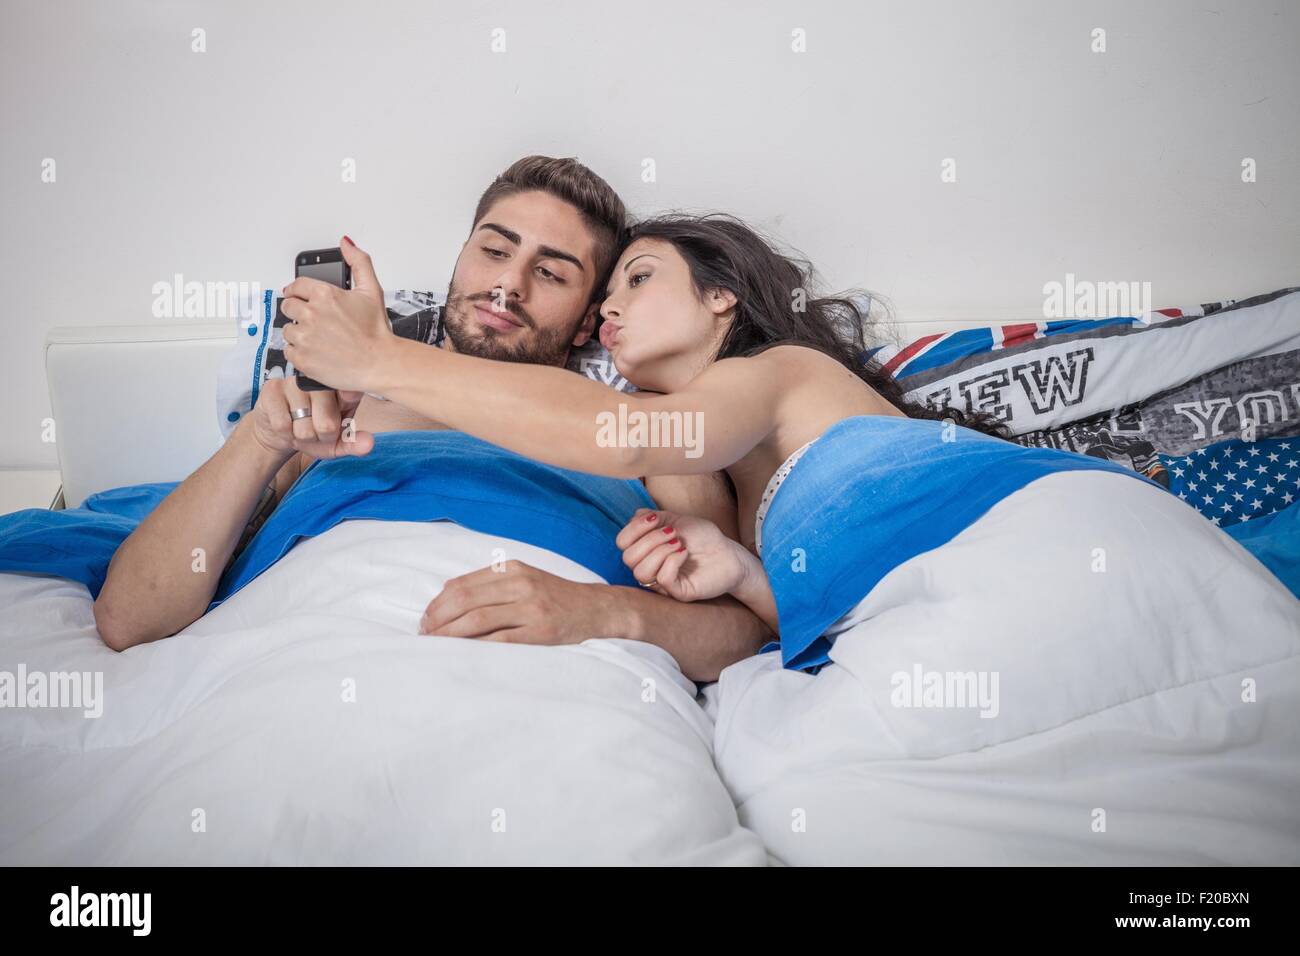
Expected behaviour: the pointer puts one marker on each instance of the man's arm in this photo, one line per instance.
(521, 604)
(152, 590)
(704, 637)
(524, 604)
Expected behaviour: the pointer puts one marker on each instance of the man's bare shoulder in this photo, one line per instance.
(705, 496)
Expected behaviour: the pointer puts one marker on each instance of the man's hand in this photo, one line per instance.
(328, 433)
(525, 605)
(337, 336)
(519, 604)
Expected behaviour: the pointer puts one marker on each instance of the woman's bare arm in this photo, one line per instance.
(551, 415)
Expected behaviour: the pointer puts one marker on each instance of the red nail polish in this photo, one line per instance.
(682, 548)
(668, 530)
(674, 541)
(651, 517)
(348, 240)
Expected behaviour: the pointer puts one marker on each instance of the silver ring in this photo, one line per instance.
(300, 413)
(652, 584)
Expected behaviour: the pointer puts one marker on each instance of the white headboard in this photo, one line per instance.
(133, 403)
(137, 403)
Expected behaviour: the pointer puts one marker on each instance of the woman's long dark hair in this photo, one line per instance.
(724, 253)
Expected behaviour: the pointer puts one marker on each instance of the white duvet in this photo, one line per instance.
(1140, 672)
(1147, 706)
(304, 721)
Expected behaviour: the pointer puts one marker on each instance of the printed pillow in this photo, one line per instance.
(1137, 392)
(1234, 481)
(259, 350)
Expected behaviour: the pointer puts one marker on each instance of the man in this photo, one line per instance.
(526, 288)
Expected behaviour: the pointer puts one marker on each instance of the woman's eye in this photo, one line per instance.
(640, 275)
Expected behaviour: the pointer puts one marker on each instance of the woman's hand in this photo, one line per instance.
(338, 336)
(685, 557)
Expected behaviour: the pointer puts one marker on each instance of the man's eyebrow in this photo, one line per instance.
(627, 265)
(510, 234)
(546, 252)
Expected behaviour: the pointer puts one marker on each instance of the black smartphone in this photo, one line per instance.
(328, 266)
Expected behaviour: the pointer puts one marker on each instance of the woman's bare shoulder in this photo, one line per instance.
(802, 363)
(802, 354)
(773, 371)
(777, 359)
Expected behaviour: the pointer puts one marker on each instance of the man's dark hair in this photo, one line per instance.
(568, 180)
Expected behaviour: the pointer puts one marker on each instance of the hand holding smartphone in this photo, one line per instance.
(329, 266)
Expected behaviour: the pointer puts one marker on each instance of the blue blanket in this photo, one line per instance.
(875, 491)
(408, 476)
(1275, 540)
(77, 543)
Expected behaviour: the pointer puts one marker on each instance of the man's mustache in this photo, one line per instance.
(513, 308)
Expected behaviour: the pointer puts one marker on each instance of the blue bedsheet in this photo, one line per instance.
(408, 476)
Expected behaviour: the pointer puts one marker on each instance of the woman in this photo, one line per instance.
(716, 327)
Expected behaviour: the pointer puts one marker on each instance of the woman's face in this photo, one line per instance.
(659, 332)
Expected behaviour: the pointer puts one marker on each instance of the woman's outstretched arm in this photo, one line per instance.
(552, 415)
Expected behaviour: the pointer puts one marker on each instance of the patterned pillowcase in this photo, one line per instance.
(1182, 395)
(259, 350)
(1234, 481)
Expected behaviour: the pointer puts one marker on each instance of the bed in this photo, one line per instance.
(304, 721)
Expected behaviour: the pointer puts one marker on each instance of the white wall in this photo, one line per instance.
(1120, 166)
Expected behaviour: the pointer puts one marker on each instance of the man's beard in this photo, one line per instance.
(469, 337)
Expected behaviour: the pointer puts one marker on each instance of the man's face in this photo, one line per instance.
(523, 282)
